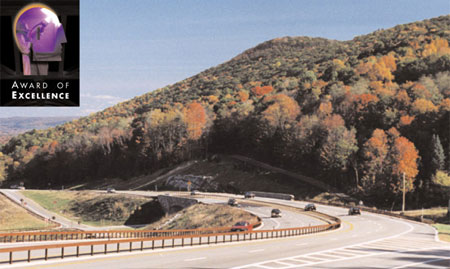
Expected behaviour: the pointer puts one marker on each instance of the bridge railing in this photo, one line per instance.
(53, 251)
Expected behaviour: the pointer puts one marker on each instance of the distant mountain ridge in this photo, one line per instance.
(17, 125)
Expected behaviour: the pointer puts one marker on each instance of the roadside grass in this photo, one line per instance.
(88, 207)
(436, 214)
(55, 201)
(436, 211)
(204, 216)
(444, 231)
(16, 218)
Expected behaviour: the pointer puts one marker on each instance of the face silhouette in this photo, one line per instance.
(38, 29)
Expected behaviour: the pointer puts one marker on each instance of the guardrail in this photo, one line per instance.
(102, 234)
(376, 211)
(51, 251)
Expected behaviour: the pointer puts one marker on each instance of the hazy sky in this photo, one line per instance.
(132, 47)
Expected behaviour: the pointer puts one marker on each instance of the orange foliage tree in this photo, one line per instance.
(423, 106)
(260, 91)
(404, 158)
(375, 151)
(196, 119)
(283, 109)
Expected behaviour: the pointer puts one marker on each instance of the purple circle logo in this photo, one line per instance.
(39, 36)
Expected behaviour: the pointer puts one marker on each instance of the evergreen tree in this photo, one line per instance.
(438, 156)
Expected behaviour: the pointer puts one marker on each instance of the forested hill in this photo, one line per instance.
(357, 114)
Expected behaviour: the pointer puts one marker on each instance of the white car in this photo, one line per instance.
(111, 190)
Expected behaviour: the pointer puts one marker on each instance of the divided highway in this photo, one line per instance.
(366, 241)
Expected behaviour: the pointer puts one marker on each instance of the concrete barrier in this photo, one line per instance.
(282, 196)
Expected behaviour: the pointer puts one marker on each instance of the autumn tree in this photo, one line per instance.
(282, 109)
(196, 119)
(404, 158)
(261, 91)
(375, 152)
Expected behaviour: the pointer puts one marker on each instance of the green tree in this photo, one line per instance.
(339, 145)
(438, 156)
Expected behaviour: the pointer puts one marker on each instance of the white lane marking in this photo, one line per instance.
(256, 250)
(277, 224)
(424, 262)
(349, 246)
(195, 259)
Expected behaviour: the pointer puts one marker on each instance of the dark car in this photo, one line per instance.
(232, 202)
(310, 207)
(241, 226)
(354, 211)
(276, 213)
(249, 194)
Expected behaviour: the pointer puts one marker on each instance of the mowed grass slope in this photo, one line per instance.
(88, 207)
(15, 218)
(204, 216)
(444, 231)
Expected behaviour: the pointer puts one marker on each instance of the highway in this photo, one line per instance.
(366, 241)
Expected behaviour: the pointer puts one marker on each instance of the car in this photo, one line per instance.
(17, 187)
(249, 195)
(241, 226)
(310, 207)
(276, 213)
(111, 190)
(232, 202)
(354, 211)
(195, 192)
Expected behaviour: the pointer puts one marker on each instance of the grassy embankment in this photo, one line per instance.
(444, 231)
(204, 216)
(91, 208)
(15, 218)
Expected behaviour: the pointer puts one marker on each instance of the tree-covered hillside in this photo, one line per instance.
(357, 114)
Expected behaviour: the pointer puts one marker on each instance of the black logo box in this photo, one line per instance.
(64, 71)
(51, 92)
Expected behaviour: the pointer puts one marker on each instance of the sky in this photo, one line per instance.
(128, 48)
